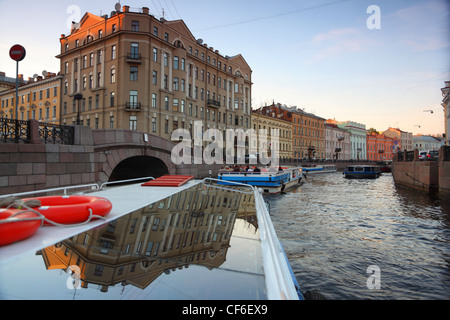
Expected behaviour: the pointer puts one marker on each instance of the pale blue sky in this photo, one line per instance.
(316, 54)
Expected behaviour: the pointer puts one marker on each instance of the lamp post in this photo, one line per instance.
(78, 97)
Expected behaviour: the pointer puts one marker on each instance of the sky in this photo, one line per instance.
(380, 63)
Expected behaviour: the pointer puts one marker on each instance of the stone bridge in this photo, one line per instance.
(95, 156)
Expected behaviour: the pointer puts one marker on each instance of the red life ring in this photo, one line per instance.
(16, 228)
(72, 209)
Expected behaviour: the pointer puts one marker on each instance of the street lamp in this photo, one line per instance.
(78, 97)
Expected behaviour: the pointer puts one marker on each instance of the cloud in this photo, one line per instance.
(425, 26)
(337, 42)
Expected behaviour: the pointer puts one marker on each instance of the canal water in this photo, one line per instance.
(364, 239)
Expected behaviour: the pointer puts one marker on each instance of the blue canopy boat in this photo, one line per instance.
(270, 180)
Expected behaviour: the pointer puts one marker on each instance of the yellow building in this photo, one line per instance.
(262, 120)
(132, 71)
(39, 99)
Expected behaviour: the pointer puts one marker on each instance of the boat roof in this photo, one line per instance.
(195, 241)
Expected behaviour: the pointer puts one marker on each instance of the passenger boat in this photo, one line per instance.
(362, 172)
(172, 239)
(272, 180)
(311, 169)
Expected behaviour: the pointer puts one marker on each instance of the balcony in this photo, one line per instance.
(134, 57)
(213, 103)
(133, 106)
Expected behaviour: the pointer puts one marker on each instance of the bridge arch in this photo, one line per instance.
(138, 167)
(124, 154)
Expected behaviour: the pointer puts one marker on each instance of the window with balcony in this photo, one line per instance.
(134, 54)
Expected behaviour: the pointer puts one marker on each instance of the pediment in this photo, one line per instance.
(181, 28)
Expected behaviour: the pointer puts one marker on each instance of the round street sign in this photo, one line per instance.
(17, 52)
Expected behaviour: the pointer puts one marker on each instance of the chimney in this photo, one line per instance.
(145, 10)
(126, 8)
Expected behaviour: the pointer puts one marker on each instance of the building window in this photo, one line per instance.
(134, 25)
(134, 50)
(154, 124)
(176, 62)
(166, 103)
(113, 52)
(166, 86)
(133, 98)
(166, 37)
(113, 75)
(155, 77)
(99, 79)
(112, 98)
(91, 59)
(155, 31)
(133, 123)
(99, 56)
(111, 122)
(153, 100)
(100, 33)
(133, 73)
(175, 84)
(155, 55)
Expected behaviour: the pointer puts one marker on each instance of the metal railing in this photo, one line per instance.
(14, 130)
(54, 133)
(20, 131)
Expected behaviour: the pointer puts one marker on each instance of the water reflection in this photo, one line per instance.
(333, 229)
(193, 228)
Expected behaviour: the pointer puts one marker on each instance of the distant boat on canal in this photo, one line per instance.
(327, 168)
(362, 172)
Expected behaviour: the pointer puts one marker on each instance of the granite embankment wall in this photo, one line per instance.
(432, 177)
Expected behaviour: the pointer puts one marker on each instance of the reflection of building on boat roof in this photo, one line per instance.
(189, 237)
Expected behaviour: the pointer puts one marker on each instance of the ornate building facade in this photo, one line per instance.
(132, 71)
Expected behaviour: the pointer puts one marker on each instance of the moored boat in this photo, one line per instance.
(272, 180)
(311, 169)
(362, 172)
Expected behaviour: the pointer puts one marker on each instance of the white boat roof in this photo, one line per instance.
(161, 259)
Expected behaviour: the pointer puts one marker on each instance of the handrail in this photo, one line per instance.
(93, 186)
(124, 181)
(228, 182)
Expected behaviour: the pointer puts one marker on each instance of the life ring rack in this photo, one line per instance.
(22, 218)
